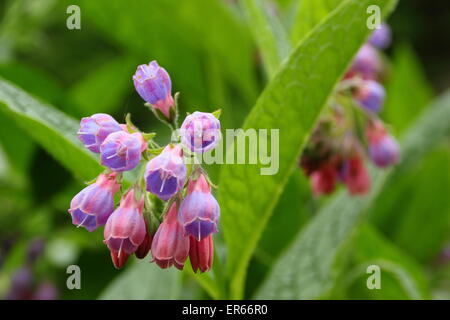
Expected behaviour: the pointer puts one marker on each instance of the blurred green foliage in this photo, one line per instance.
(220, 54)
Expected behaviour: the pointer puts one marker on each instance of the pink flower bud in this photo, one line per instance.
(355, 176)
(145, 246)
(201, 253)
(170, 245)
(119, 258)
(323, 181)
(125, 229)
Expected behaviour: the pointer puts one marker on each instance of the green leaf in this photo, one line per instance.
(104, 88)
(308, 269)
(268, 32)
(371, 248)
(173, 33)
(144, 281)
(291, 213)
(49, 127)
(291, 103)
(309, 14)
(208, 280)
(34, 81)
(274, 46)
(415, 212)
(38, 83)
(408, 91)
(423, 227)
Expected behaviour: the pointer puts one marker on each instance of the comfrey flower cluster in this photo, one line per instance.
(190, 216)
(351, 130)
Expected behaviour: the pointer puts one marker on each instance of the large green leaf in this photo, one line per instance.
(147, 29)
(104, 88)
(309, 13)
(291, 103)
(415, 212)
(51, 128)
(401, 276)
(291, 213)
(308, 269)
(144, 281)
(268, 32)
(408, 91)
(423, 226)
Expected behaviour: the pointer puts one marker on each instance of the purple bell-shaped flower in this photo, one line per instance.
(153, 84)
(94, 130)
(200, 132)
(121, 151)
(165, 174)
(92, 206)
(199, 211)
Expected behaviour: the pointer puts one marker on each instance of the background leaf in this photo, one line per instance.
(52, 129)
(268, 32)
(401, 276)
(308, 14)
(298, 91)
(104, 86)
(308, 269)
(292, 212)
(144, 281)
(180, 47)
(422, 211)
(408, 92)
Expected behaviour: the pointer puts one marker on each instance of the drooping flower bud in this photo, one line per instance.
(381, 38)
(165, 174)
(119, 258)
(94, 130)
(367, 63)
(200, 132)
(384, 152)
(153, 84)
(201, 253)
(170, 245)
(323, 181)
(125, 229)
(145, 246)
(355, 176)
(93, 205)
(370, 95)
(121, 151)
(383, 148)
(199, 211)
